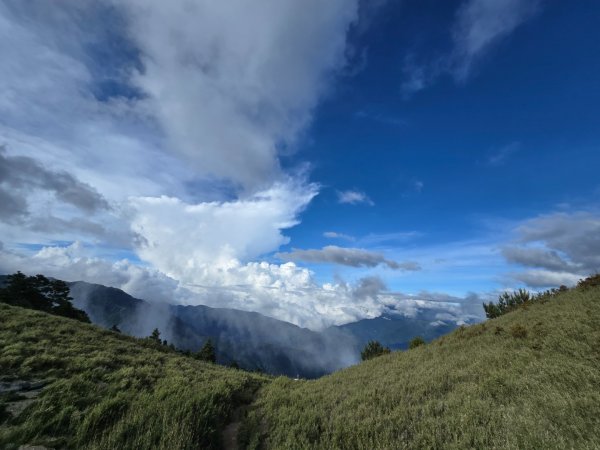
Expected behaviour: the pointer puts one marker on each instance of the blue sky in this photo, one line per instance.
(318, 163)
(517, 139)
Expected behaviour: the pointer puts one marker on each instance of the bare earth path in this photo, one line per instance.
(230, 432)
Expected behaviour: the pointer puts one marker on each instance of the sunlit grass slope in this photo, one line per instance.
(527, 380)
(109, 391)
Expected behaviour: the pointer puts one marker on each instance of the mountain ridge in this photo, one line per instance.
(252, 340)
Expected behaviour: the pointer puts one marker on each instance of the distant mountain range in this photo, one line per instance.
(252, 340)
(396, 330)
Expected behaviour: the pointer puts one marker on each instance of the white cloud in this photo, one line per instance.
(284, 292)
(186, 241)
(233, 82)
(479, 26)
(53, 116)
(75, 262)
(224, 86)
(354, 198)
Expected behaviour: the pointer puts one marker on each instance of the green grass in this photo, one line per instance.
(110, 391)
(527, 380)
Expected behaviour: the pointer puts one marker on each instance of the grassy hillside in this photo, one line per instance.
(529, 379)
(107, 391)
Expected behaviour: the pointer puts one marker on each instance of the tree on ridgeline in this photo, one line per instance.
(41, 293)
(155, 336)
(416, 342)
(507, 302)
(373, 349)
(207, 352)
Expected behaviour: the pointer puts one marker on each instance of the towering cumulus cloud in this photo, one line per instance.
(234, 82)
(184, 240)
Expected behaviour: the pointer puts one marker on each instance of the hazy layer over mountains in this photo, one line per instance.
(250, 339)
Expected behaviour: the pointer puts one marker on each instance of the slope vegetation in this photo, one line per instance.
(104, 390)
(528, 379)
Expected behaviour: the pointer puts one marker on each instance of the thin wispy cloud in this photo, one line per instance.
(502, 155)
(354, 198)
(335, 235)
(417, 186)
(479, 26)
(380, 239)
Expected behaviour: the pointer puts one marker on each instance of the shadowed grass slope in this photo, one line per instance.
(529, 379)
(109, 391)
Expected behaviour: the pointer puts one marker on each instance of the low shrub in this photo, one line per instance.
(507, 301)
(518, 331)
(416, 342)
(373, 349)
(589, 282)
